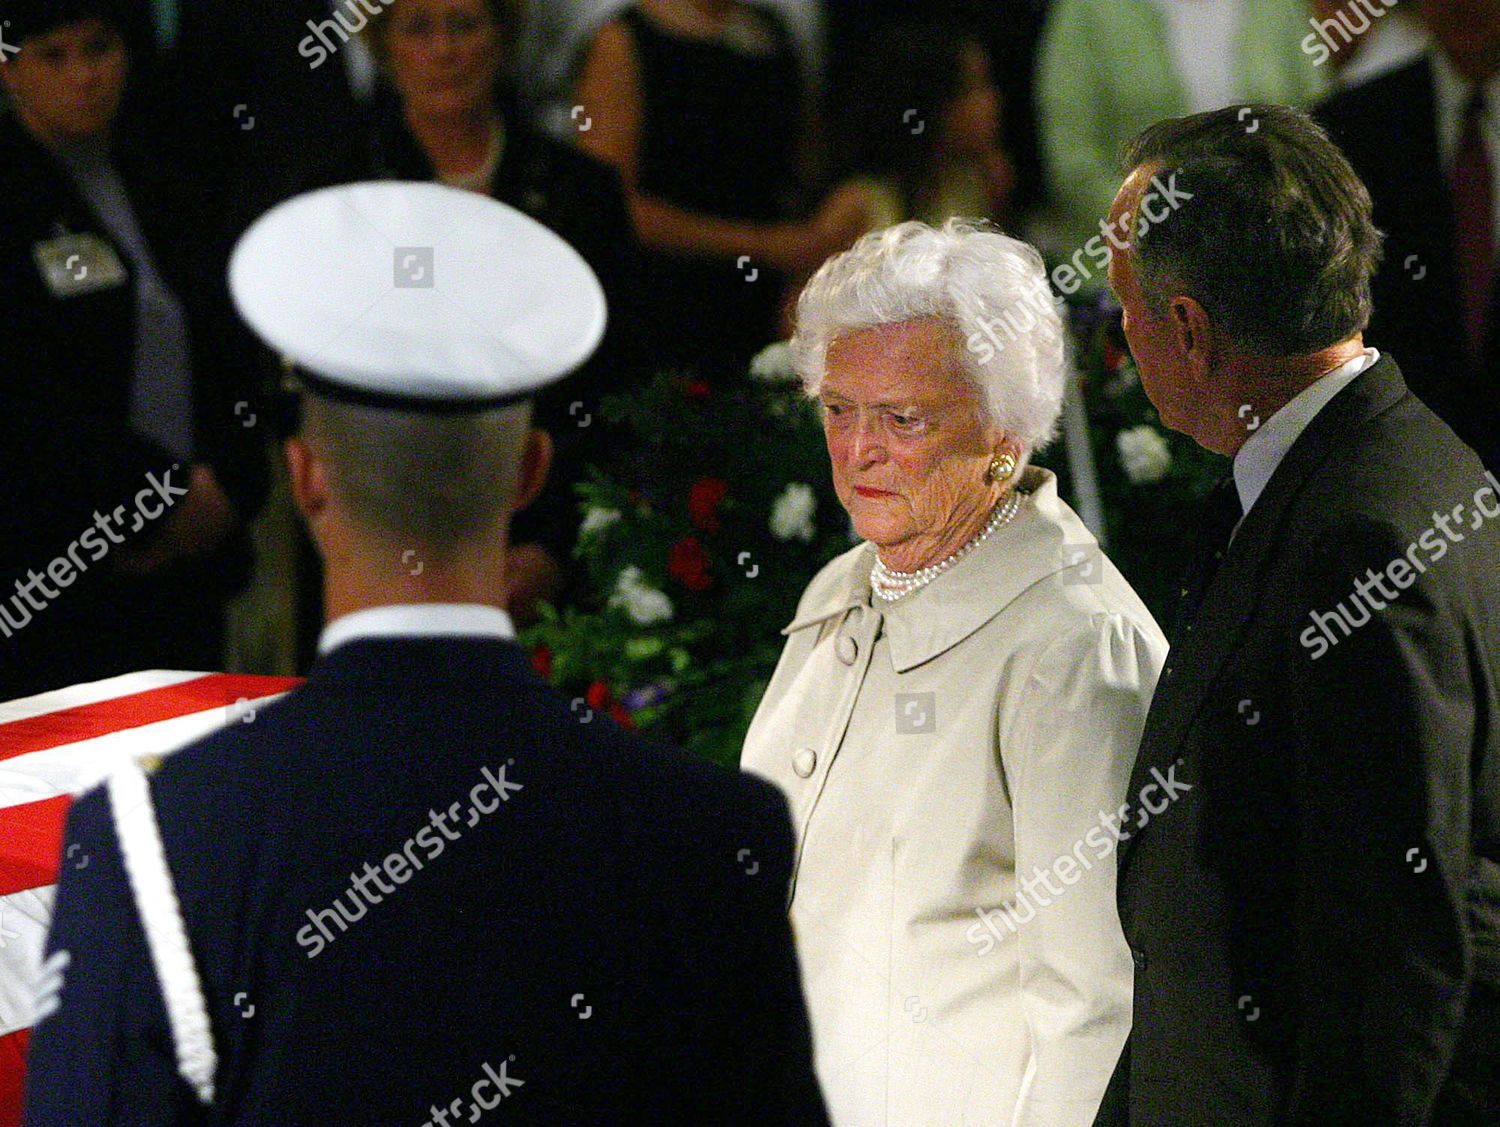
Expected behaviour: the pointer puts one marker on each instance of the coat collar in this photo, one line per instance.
(1046, 537)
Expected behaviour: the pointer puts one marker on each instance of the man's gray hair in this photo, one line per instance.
(1009, 338)
(435, 480)
(1278, 243)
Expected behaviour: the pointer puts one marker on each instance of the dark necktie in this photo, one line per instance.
(1473, 203)
(1220, 515)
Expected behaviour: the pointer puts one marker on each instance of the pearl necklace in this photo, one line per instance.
(891, 585)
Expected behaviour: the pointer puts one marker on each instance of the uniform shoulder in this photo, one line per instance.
(688, 804)
(693, 785)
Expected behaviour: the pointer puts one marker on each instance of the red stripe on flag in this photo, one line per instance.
(33, 834)
(12, 1076)
(134, 710)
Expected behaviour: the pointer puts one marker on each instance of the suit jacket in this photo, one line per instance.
(1311, 888)
(1387, 128)
(66, 446)
(948, 758)
(600, 919)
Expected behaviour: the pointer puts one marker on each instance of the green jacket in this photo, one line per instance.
(1105, 72)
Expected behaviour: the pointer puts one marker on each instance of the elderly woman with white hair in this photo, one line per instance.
(956, 712)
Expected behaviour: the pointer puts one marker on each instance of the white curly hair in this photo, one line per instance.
(1010, 339)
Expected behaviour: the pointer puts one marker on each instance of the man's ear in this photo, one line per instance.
(1194, 335)
(309, 479)
(536, 461)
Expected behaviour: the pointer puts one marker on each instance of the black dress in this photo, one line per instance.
(718, 137)
(581, 200)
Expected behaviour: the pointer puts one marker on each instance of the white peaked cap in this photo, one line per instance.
(416, 296)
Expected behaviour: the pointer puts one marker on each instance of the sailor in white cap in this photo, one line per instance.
(422, 885)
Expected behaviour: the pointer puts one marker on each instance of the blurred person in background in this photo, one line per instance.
(1426, 140)
(260, 91)
(444, 113)
(1109, 68)
(558, 33)
(131, 452)
(919, 135)
(1357, 46)
(1009, 30)
(702, 108)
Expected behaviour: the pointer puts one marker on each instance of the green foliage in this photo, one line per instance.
(694, 482)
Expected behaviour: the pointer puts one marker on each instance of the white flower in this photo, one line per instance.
(597, 519)
(1145, 454)
(645, 605)
(773, 364)
(792, 513)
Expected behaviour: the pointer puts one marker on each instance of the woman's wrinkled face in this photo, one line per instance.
(907, 432)
(445, 55)
(67, 84)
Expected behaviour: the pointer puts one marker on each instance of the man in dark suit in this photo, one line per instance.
(422, 885)
(1310, 876)
(1425, 139)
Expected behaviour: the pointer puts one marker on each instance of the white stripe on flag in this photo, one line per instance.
(24, 919)
(77, 767)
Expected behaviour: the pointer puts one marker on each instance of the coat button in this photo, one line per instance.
(1138, 957)
(804, 762)
(847, 649)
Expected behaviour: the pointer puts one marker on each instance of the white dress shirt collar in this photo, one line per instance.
(1263, 451)
(417, 620)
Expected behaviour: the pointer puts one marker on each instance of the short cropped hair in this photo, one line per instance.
(1278, 242)
(435, 480)
(1009, 338)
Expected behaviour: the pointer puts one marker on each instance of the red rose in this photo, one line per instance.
(598, 696)
(687, 563)
(698, 389)
(703, 502)
(541, 661)
(618, 714)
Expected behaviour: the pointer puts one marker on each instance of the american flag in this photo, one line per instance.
(57, 745)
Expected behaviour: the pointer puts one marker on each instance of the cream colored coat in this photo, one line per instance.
(932, 750)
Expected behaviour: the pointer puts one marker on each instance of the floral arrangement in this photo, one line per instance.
(700, 536)
(698, 541)
(1152, 481)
